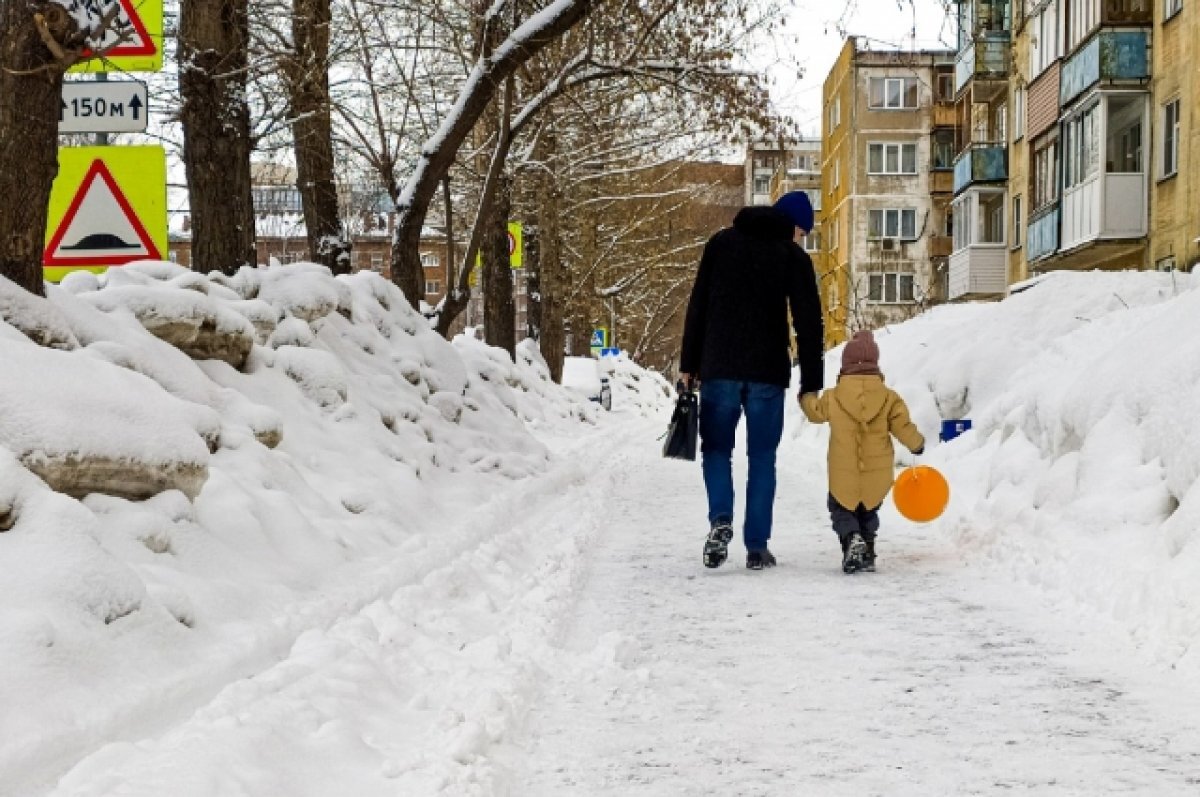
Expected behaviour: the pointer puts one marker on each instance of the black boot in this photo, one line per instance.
(852, 559)
(869, 555)
(716, 547)
(757, 560)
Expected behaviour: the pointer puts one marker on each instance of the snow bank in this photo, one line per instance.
(1080, 475)
(350, 437)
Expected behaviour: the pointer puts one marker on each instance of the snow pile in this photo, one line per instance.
(1080, 474)
(353, 437)
(635, 389)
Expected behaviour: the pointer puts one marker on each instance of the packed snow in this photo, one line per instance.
(392, 564)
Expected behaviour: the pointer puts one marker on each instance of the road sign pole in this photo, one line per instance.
(101, 139)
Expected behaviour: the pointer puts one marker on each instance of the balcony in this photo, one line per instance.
(941, 181)
(982, 59)
(1112, 206)
(944, 115)
(978, 271)
(983, 162)
(1112, 55)
(1042, 237)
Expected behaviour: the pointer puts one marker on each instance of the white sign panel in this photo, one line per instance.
(93, 106)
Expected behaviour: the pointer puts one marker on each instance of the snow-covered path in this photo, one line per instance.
(576, 646)
(930, 677)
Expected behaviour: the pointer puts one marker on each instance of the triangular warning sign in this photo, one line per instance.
(127, 32)
(99, 227)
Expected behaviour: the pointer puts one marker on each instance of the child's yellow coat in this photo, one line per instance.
(863, 413)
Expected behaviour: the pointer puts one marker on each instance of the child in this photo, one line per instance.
(863, 413)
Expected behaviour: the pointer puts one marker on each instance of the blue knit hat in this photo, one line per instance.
(795, 205)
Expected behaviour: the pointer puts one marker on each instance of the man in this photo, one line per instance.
(735, 345)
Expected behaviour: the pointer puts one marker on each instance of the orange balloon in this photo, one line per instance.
(921, 493)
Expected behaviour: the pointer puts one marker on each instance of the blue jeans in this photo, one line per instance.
(722, 402)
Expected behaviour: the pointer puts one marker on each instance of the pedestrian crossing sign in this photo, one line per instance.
(600, 338)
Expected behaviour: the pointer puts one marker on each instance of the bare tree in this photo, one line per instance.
(306, 71)
(492, 68)
(39, 41)
(217, 142)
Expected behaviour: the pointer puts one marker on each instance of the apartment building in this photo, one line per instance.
(888, 137)
(979, 262)
(1175, 110)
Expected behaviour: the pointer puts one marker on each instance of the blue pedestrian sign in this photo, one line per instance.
(610, 352)
(600, 338)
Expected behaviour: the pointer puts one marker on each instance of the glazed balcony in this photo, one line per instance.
(1110, 56)
(981, 162)
(985, 58)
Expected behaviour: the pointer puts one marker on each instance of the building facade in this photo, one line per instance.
(888, 139)
(1103, 144)
(1175, 111)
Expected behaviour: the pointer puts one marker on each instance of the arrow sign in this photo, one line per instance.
(103, 107)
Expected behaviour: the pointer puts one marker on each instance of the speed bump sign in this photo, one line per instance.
(108, 207)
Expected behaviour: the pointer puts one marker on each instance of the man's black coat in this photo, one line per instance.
(737, 319)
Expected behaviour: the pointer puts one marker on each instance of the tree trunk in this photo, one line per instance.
(213, 40)
(29, 106)
(439, 151)
(499, 316)
(553, 339)
(307, 73)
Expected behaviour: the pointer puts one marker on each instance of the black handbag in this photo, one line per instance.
(684, 429)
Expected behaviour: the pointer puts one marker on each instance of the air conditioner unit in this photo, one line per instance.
(889, 244)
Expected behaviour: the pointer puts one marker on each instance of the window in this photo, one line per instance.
(890, 288)
(1165, 263)
(173, 255)
(377, 263)
(1017, 221)
(1045, 175)
(891, 93)
(1044, 42)
(891, 158)
(811, 242)
(1123, 149)
(942, 150)
(892, 223)
(433, 286)
(833, 235)
(1018, 121)
(835, 113)
(1170, 148)
(945, 87)
(1082, 18)
(1171, 8)
(1081, 148)
(837, 174)
(430, 260)
(1000, 123)
(991, 218)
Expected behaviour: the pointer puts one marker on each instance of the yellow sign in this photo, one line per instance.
(132, 43)
(516, 246)
(108, 207)
(516, 251)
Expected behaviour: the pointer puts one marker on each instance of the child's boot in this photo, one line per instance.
(855, 550)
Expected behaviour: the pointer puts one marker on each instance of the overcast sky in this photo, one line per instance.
(811, 36)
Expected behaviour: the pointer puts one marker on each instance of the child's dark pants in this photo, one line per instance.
(859, 520)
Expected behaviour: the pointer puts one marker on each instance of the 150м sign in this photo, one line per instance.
(102, 107)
